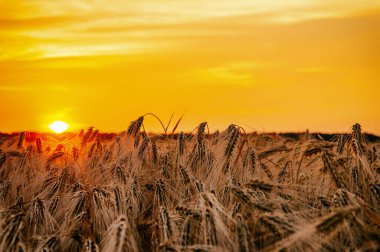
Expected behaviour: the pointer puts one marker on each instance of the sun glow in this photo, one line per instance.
(58, 126)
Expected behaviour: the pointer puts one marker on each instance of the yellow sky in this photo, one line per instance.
(265, 65)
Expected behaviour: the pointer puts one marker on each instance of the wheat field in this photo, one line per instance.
(199, 191)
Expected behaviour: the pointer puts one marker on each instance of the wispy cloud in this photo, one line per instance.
(44, 28)
(312, 70)
(15, 88)
(236, 73)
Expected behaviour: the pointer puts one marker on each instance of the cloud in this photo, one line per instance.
(312, 70)
(236, 73)
(14, 88)
(45, 29)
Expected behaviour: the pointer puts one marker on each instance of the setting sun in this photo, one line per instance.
(58, 126)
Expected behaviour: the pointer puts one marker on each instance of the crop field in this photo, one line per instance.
(198, 191)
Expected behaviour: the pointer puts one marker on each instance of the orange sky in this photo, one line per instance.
(265, 65)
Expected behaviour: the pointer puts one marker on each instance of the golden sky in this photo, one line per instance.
(265, 65)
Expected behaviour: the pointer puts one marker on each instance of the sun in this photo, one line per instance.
(58, 126)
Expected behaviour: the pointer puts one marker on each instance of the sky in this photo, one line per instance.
(264, 65)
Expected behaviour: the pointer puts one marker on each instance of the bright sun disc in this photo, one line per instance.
(58, 126)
